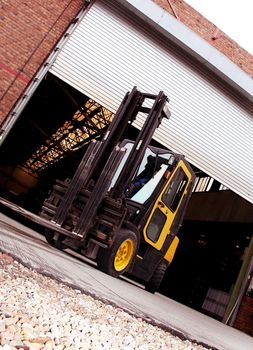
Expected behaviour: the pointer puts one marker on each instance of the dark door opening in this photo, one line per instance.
(206, 265)
(47, 141)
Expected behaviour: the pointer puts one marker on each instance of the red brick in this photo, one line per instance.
(244, 319)
(28, 32)
(200, 25)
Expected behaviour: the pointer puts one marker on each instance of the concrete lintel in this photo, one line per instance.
(192, 43)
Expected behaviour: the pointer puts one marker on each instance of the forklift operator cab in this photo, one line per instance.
(150, 171)
(156, 199)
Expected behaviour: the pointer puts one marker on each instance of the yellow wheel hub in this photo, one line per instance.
(123, 255)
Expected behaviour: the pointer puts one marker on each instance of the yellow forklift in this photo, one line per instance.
(125, 203)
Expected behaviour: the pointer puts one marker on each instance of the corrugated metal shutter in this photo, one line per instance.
(109, 53)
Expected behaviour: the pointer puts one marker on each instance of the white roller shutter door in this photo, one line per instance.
(110, 52)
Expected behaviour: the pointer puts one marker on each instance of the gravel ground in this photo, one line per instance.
(37, 312)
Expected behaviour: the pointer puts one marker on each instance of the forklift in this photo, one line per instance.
(125, 203)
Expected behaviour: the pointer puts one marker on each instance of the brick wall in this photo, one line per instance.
(28, 32)
(244, 319)
(208, 31)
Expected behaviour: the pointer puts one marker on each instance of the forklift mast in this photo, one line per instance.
(101, 159)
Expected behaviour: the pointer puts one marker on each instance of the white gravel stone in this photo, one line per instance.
(37, 312)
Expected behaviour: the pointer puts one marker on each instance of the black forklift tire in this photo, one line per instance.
(49, 235)
(118, 258)
(154, 283)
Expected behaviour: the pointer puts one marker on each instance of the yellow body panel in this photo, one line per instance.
(172, 250)
(170, 215)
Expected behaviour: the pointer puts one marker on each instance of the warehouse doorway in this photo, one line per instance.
(47, 141)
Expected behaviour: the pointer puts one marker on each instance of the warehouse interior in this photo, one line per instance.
(47, 142)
